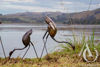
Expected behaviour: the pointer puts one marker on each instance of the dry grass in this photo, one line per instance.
(55, 59)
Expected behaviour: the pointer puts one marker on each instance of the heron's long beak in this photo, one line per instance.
(73, 47)
(10, 54)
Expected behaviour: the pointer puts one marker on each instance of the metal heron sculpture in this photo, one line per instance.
(27, 42)
(51, 31)
(2, 47)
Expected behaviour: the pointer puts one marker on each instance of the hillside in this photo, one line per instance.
(85, 17)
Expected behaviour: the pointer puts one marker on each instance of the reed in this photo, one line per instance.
(79, 42)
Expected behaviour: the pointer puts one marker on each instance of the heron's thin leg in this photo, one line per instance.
(45, 34)
(26, 52)
(42, 51)
(34, 49)
(3, 47)
(10, 54)
(45, 44)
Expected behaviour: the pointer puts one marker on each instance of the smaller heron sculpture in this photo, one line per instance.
(2, 47)
(27, 42)
(52, 30)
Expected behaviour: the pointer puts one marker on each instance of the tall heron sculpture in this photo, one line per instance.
(2, 47)
(27, 42)
(51, 31)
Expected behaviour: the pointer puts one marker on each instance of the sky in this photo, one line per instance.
(69, 6)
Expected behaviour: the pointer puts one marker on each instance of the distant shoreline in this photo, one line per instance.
(63, 26)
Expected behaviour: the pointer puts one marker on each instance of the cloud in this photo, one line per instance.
(45, 5)
(98, 5)
(20, 1)
(27, 8)
(65, 3)
(7, 5)
(67, 6)
(94, 6)
(75, 6)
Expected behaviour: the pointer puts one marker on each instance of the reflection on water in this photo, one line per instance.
(12, 38)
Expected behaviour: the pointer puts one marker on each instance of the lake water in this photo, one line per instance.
(12, 37)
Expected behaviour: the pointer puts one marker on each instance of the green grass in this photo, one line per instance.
(79, 42)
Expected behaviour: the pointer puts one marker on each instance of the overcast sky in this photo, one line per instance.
(15, 6)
